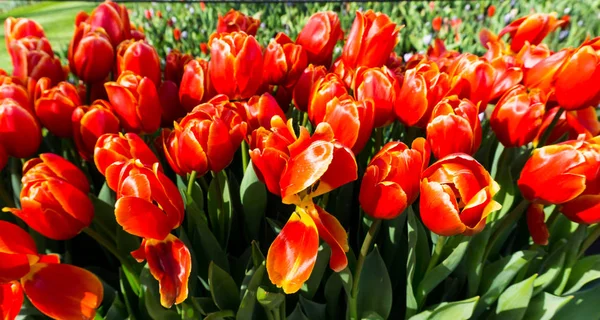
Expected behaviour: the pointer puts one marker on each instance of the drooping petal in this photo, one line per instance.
(535, 224)
(142, 218)
(334, 234)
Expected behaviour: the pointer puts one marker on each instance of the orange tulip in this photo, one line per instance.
(176, 34)
(89, 123)
(54, 199)
(33, 57)
(140, 58)
(284, 61)
(170, 263)
(175, 65)
(324, 90)
(517, 117)
(19, 28)
(113, 18)
(236, 21)
(168, 94)
(436, 23)
(543, 74)
(20, 133)
(15, 89)
(55, 105)
(372, 38)
(260, 110)
(491, 10)
(536, 225)
(391, 182)
(304, 85)
(195, 84)
(473, 78)
(456, 196)
(18, 252)
(380, 85)
(532, 28)
(319, 36)
(206, 139)
(454, 127)
(235, 59)
(578, 80)
(113, 148)
(530, 55)
(91, 55)
(148, 202)
(135, 101)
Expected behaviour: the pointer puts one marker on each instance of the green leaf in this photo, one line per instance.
(473, 260)
(544, 306)
(551, 268)
(310, 287)
(269, 300)
(220, 207)
(570, 259)
(375, 290)
(131, 297)
(274, 225)
(440, 272)
(513, 302)
(253, 195)
(313, 310)
(205, 304)
(223, 289)
(150, 300)
(117, 310)
(456, 310)
(246, 309)
(411, 263)
(297, 314)
(104, 218)
(220, 315)
(107, 195)
(392, 234)
(584, 305)
(584, 271)
(257, 257)
(332, 292)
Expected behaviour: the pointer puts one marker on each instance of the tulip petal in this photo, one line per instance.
(343, 169)
(381, 200)
(334, 234)
(583, 209)
(142, 218)
(47, 220)
(13, 239)
(536, 225)
(439, 210)
(11, 299)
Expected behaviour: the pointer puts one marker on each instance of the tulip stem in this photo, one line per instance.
(506, 222)
(437, 253)
(594, 235)
(549, 129)
(366, 245)
(108, 245)
(305, 119)
(244, 156)
(190, 185)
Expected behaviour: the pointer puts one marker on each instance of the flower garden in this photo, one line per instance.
(414, 160)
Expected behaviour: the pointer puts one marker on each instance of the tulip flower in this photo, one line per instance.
(41, 278)
(54, 199)
(454, 127)
(578, 80)
(532, 28)
(391, 181)
(205, 139)
(517, 117)
(175, 64)
(304, 85)
(19, 28)
(112, 148)
(13, 88)
(491, 10)
(33, 57)
(284, 61)
(55, 105)
(235, 59)
(89, 123)
(436, 23)
(457, 196)
(91, 55)
(536, 225)
(195, 84)
(176, 34)
(236, 21)
(372, 38)
(170, 263)
(543, 74)
(148, 202)
(20, 133)
(140, 58)
(135, 101)
(380, 85)
(260, 110)
(114, 19)
(530, 55)
(473, 78)
(324, 90)
(319, 36)
(345, 73)
(172, 110)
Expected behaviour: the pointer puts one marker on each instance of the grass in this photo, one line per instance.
(57, 18)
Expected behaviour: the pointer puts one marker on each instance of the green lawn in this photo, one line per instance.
(57, 18)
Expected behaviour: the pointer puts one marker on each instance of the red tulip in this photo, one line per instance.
(14, 89)
(89, 123)
(55, 106)
(391, 181)
(536, 225)
(140, 58)
(175, 64)
(235, 59)
(236, 21)
(543, 74)
(33, 57)
(302, 89)
(20, 133)
(324, 90)
(473, 78)
(372, 38)
(206, 139)
(135, 101)
(530, 55)
(112, 148)
(284, 61)
(172, 110)
(18, 253)
(260, 110)
(436, 23)
(380, 85)
(19, 28)
(148, 202)
(456, 196)
(319, 37)
(491, 10)
(532, 28)
(91, 55)
(114, 19)
(11, 300)
(454, 127)
(54, 199)
(578, 80)
(170, 263)
(517, 117)
(195, 85)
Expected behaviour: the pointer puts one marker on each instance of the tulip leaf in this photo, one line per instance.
(150, 299)
(513, 302)
(297, 314)
(248, 302)
(574, 243)
(473, 260)
(392, 237)
(131, 298)
(223, 289)
(253, 195)
(411, 263)
(544, 306)
(333, 293)
(310, 287)
(551, 267)
(117, 310)
(313, 310)
(107, 195)
(375, 289)
(220, 207)
(205, 304)
(257, 256)
(456, 310)
(16, 173)
(220, 315)
(269, 300)
(104, 218)
(584, 271)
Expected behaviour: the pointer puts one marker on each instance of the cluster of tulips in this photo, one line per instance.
(303, 118)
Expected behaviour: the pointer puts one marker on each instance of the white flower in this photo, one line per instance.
(184, 34)
(567, 10)
(427, 39)
(168, 8)
(192, 10)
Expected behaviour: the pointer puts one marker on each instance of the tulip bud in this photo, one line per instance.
(19, 28)
(33, 57)
(195, 85)
(543, 74)
(472, 78)
(114, 19)
(260, 110)
(323, 90)
(284, 61)
(319, 37)
(114, 148)
(578, 80)
(20, 133)
(304, 85)
(55, 106)
(54, 199)
(391, 181)
(14, 89)
(532, 28)
(236, 21)
(89, 123)
(380, 85)
(90, 54)
(140, 58)
(457, 196)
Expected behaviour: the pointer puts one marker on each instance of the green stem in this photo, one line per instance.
(359, 265)
(305, 119)
(549, 129)
(437, 253)
(507, 222)
(190, 185)
(244, 156)
(221, 218)
(112, 249)
(594, 235)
